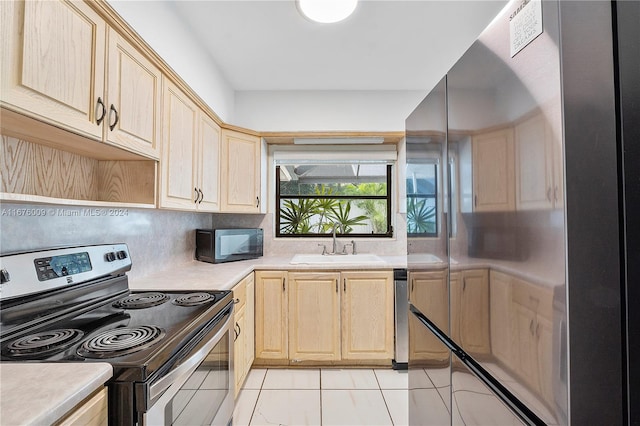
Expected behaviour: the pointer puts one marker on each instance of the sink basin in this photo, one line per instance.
(423, 258)
(351, 259)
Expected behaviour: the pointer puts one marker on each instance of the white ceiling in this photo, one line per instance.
(384, 45)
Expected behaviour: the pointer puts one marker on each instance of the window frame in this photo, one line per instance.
(388, 198)
(435, 197)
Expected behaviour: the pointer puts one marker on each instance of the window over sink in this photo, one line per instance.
(347, 195)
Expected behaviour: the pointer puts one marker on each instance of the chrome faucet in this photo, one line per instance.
(333, 234)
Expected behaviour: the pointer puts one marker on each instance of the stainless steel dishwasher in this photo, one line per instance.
(401, 312)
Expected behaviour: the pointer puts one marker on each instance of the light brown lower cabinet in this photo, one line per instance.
(521, 330)
(324, 316)
(367, 315)
(243, 347)
(429, 292)
(272, 312)
(91, 412)
(533, 309)
(314, 316)
(470, 310)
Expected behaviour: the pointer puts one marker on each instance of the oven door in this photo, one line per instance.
(199, 390)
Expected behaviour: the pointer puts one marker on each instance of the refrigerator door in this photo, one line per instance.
(505, 133)
(427, 190)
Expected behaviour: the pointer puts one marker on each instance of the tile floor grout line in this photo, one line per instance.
(320, 374)
(255, 404)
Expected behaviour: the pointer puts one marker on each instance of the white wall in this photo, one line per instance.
(171, 38)
(325, 110)
(160, 26)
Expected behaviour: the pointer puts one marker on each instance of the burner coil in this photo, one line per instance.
(121, 341)
(141, 300)
(193, 299)
(44, 343)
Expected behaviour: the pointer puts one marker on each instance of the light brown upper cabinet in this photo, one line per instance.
(132, 119)
(62, 65)
(240, 167)
(493, 171)
(538, 177)
(189, 177)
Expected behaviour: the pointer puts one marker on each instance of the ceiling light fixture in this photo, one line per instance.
(326, 11)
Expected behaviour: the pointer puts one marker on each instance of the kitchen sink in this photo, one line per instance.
(351, 259)
(423, 258)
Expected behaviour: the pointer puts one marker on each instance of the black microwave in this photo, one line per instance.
(228, 245)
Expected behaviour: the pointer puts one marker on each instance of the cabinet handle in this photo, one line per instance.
(235, 331)
(336, 285)
(196, 198)
(475, 200)
(104, 111)
(464, 284)
(531, 327)
(344, 285)
(283, 284)
(113, 126)
(549, 194)
(201, 196)
(555, 193)
(257, 202)
(236, 301)
(412, 283)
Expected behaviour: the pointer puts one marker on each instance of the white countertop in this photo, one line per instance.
(198, 276)
(223, 276)
(42, 393)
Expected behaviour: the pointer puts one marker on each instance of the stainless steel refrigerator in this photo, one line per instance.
(523, 198)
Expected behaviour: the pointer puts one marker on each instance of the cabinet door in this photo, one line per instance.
(527, 356)
(429, 292)
(239, 346)
(367, 315)
(133, 99)
(501, 322)
(534, 165)
(470, 310)
(53, 62)
(314, 316)
(493, 171)
(544, 335)
(240, 172)
(208, 161)
(271, 324)
(249, 324)
(177, 189)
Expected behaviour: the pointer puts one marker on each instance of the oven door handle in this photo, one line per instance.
(189, 365)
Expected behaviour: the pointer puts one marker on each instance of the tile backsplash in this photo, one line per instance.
(155, 237)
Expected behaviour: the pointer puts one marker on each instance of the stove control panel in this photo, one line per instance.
(45, 270)
(62, 266)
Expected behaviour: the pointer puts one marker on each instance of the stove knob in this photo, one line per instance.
(4, 276)
(122, 254)
(110, 257)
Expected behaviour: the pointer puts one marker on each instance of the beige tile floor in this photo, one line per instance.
(345, 397)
